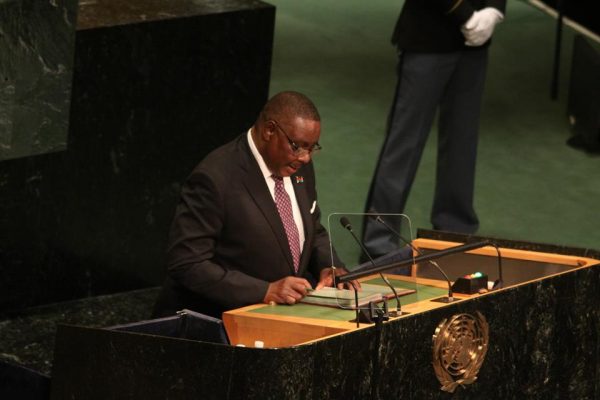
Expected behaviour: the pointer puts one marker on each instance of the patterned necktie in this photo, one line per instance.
(284, 206)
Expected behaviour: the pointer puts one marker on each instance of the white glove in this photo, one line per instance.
(479, 28)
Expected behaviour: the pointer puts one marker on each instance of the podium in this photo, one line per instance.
(542, 342)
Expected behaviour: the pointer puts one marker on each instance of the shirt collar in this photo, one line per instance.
(259, 158)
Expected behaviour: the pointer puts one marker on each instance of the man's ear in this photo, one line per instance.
(268, 131)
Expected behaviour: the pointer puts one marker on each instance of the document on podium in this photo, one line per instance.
(344, 298)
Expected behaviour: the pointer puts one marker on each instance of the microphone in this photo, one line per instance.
(426, 257)
(450, 297)
(348, 226)
(498, 284)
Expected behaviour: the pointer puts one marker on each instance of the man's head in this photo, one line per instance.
(287, 132)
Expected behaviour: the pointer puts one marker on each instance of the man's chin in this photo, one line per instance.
(289, 171)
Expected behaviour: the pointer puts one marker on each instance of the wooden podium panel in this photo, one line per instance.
(245, 327)
(284, 325)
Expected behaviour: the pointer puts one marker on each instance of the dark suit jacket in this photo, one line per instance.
(433, 26)
(227, 241)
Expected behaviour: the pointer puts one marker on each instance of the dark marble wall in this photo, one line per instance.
(156, 86)
(36, 65)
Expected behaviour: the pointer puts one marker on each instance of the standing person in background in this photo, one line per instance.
(443, 52)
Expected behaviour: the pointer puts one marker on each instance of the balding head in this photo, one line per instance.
(287, 132)
(289, 105)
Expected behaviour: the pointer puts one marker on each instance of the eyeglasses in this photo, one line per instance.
(296, 149)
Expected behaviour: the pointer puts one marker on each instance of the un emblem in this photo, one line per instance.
(459, 348)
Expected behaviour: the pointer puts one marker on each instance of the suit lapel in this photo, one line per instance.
(259, 191)
(305, 206)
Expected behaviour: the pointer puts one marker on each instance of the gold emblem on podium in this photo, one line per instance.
(459, 348)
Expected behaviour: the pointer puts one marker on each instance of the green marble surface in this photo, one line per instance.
(107, 13)
(37, 42)
(27, 338)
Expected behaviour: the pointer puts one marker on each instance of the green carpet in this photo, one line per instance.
(530, 184)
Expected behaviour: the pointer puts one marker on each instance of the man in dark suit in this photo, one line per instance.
(442, 47)
(247, 228)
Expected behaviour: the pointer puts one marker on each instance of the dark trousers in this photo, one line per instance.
(452, 85)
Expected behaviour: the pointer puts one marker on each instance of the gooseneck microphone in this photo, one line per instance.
(450, 298)
(426, 257)
(348, 226)
(498, 284)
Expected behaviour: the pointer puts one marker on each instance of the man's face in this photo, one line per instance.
(280, 155)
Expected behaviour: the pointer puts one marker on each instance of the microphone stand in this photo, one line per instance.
(450, 297)
(376, 314)
(426, 257)
(498, 284)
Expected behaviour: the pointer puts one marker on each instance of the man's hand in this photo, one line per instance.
(326, 279)
(288, 290)
(480, 27)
